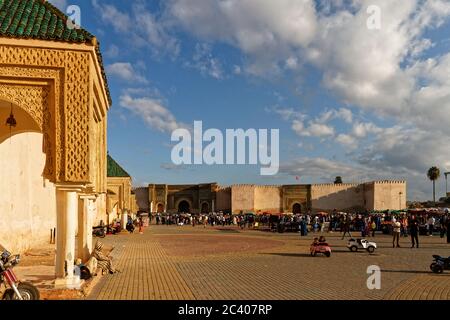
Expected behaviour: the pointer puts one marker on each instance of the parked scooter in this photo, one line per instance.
(16, 290)
(99, 232)
(130, 227)
(440, 264)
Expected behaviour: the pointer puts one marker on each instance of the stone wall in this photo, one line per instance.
(223, 199)
(389, 195)
(378, 195)
(101, 212)
(242, 198)
(274, 199)
(337, 196)
(267, 199)
(142, 198)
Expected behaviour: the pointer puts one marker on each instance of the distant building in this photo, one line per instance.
(120, 198)
(204, 198)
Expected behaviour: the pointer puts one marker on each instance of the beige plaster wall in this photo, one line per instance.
(268, 199)
(101, 211)
(242, 198)
(27, 201)
(337, 196)
(142, 198)
(223, 199)
(387, 195)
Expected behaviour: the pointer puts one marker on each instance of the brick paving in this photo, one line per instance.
(185, 263)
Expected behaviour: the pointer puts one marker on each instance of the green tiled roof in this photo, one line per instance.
(40, 20)
(115, 170)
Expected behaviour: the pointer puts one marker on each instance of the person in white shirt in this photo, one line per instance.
(396, 228)
(431, 222)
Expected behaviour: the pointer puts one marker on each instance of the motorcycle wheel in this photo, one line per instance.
(27, 291)
(438, 269)
(432, 266)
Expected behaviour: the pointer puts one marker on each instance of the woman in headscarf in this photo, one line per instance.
(104, 262)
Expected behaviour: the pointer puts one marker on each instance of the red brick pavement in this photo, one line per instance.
(195, 263)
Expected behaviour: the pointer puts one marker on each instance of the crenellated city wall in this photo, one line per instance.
(377, 195)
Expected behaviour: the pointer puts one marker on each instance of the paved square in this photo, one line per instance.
(178, 263)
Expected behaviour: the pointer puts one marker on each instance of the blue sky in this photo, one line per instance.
(350, 101)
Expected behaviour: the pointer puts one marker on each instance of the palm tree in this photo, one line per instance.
(338, 180)
(433, 174)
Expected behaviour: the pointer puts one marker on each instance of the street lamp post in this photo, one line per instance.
(446, 184)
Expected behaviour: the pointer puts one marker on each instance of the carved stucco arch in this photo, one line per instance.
(65, 75)
(34, 100)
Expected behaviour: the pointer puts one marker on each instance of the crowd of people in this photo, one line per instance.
(365, 224)
(210, 219)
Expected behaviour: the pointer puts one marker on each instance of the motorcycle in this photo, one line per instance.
(130, 227)
(99, 232)
(440, 264)
(17, 290)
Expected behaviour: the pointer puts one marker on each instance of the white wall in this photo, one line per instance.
(27, 200)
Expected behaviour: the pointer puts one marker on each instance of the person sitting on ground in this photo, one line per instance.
(315, 242)
(104, 262)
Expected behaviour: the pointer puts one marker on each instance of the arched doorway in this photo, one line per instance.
(184, 207)
(28, 197)
(160, 208)
(205, 207)
(297, 208)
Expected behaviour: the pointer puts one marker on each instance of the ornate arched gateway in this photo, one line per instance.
(61, 85)
(297, 208)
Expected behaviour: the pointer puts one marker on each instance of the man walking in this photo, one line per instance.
(414, 231)
(431, 222)
(447, 229)
(396, 228)
(346, 228)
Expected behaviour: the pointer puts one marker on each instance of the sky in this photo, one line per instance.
(349, 100)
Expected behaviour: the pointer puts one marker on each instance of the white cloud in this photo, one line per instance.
(204, 61)
(287, 114)
(347, 140)
(141, 26)
(112, 52)
(371, 69)
(152, 111)
(120, 21)
(292, 63)
(319, 126)
(125, 71)
(262, 29)
(344, 114)
(362, 129)
(325, 170)
(317, 130)
(237, 70)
